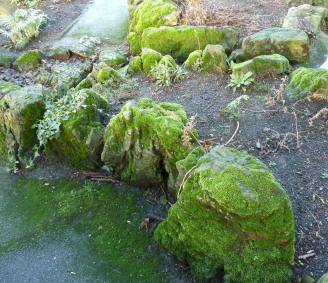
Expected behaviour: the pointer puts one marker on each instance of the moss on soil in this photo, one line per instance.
(110, 216)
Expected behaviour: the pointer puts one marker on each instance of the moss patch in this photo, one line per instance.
(304, 81)
(28, 61)
(108, 217)
(231, 215)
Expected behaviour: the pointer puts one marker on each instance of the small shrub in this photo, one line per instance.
(22, 26)
(240, 80)
(234, 106)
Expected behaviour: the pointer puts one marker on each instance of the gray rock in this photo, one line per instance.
(113, 58)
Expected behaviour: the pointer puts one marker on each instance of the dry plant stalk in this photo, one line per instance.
(322, 113)
(196, 14)
(187, 132)
(317, 96)
(278, 94)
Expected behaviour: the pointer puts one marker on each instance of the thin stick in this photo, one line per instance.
(297, 134)
(183, 180)
(232, 135)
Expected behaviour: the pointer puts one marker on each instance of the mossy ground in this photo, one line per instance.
(109, 216)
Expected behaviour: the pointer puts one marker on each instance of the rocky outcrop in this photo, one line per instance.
(81, 135)
(232, 215)
(144, 142)
(291, 43)
(180, 41)
(264, 65)
(20, 109)
(304, 81)
(151, 13)
(306, 17)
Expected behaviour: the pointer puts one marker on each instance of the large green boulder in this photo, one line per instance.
(214, 59)
(28, 61)
(291, 43)
(144, 142)
(20, 109)
(306, 17)
(231, 215)
(151, 13)
(180, 41)
(264, 65)
(80, 141)
(149, 59)
(304, 81)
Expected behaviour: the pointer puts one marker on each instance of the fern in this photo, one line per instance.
(22, 26)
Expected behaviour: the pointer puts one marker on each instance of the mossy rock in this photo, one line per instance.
(113, 58)
(149, 59)
(69, 74)
(311, 17)
(232, 215)
(144, 142)
(264, 65)
(59, 53)
(151, 13)
(194, 60)
(238, 56)
(304, 81)
(28, 61)
(323, 278)
(7, 58)
(214, 60)
(20, 109)
(135, 65)
(291, 43)
(180, 41)
(81, 138)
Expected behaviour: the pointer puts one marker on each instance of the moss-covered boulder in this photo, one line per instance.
(304, 81)
(149, 58)
(81, 135)
(306, 17)
(135, 65)
(180, 41)
(238, 56)
(20, 109)
(144, 142)
(264, 65)
(291, 43)
(59, 53)
(7, 58)
(232, 215)
(214, 59)
(28, 61)
(194, 60)
(113, 58)
(69, 74)
(151, 13)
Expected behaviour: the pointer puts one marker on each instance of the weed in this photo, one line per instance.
(325, 175)
(272, 164)
(278, 94)
(240, 80)
(166, 74)
(234, 107)
(22, 26)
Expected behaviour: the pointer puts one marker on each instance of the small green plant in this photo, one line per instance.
(325, 175)
(29, 3)
(167, 74)
(272, 164)
(240, 80)
(234, 107)
(22, 26)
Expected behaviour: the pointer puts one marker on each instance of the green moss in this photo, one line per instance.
(113, 58)
(108, 215)
(151, 13)
(214, 59)
(59, 53)
(6, 87)
(3, 148)
(231, 215)
(149, 58)
(150, 135)
(86, 83)
(80, 140)
(28, 61)
(180, 41)
(304, 81)
(264, 65)
(135, 65)
(194, 59)
(6, 59)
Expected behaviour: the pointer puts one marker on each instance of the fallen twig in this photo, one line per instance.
(232, 137)
(306, 256)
